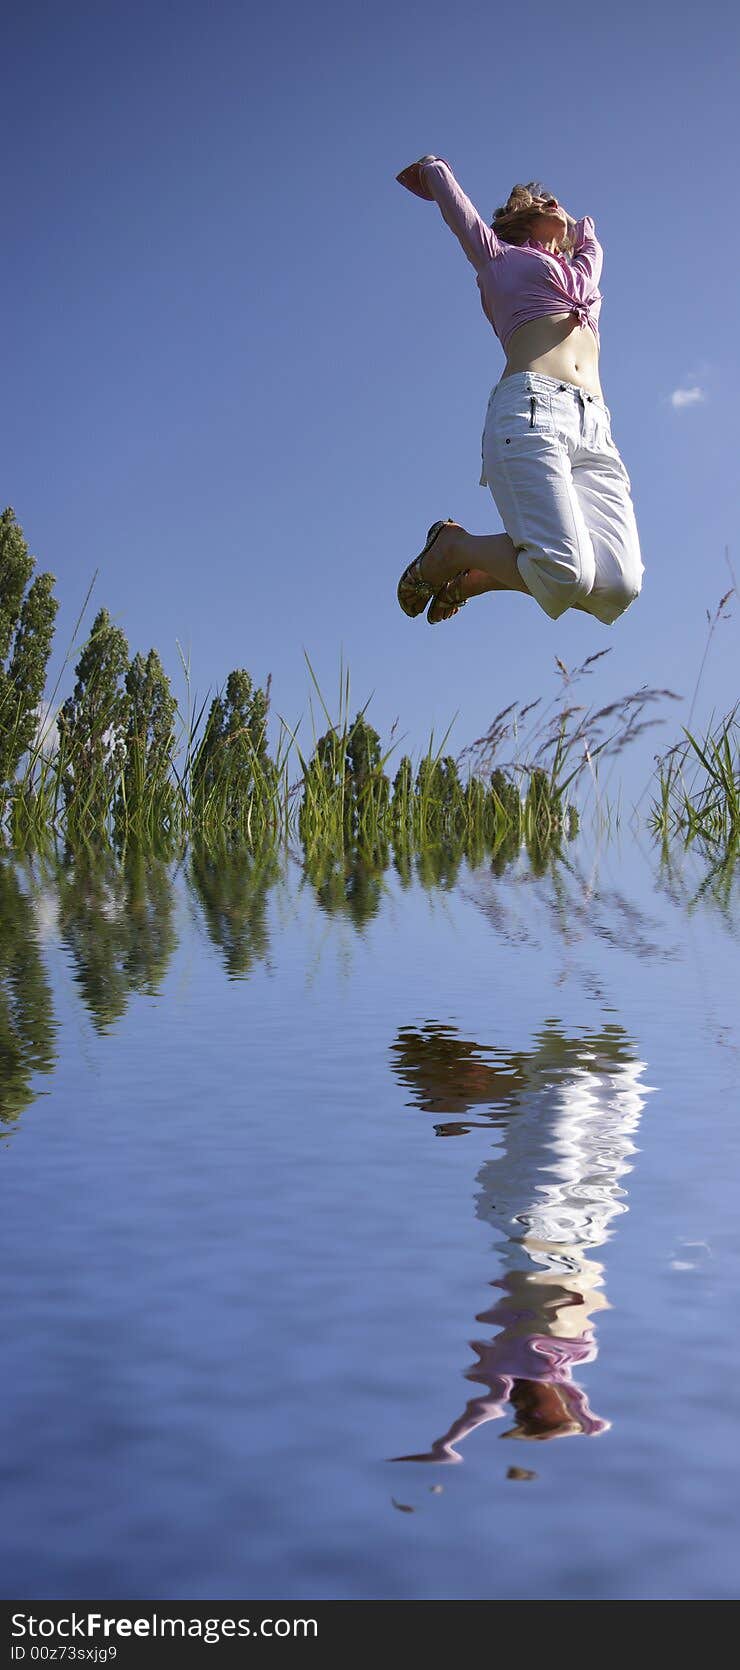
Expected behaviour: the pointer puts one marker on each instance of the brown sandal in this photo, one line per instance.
(449, 597)
(414, 591)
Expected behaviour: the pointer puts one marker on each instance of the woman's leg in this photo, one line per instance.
(477, 562)
(491, 559)
(602, 487)
(579, 534)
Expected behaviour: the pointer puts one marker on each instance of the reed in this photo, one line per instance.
(698, 785)
(122, 759)
(566, 740)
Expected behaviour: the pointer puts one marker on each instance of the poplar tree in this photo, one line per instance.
(92, 723)
(370, 785)
(233, 757)
(149, 741)
(27, 614)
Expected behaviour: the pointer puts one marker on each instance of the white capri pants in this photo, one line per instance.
(563, 495)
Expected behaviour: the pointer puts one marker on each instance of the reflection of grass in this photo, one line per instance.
(349, 879)
(700, 874)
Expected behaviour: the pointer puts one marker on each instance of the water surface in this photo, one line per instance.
(370, 1232)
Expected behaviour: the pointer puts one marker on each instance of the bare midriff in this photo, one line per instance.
(557, 346)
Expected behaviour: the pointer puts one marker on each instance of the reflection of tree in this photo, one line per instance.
(347, 882)
(439, 866)
(567, 1109)
(231, 884)
(116, 917)
(27, 1027)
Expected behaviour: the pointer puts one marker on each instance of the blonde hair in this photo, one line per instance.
(514, 221)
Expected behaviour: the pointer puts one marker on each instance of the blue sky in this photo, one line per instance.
(244, 369)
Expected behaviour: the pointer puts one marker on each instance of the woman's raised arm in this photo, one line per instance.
(588, 254)
(432, 177)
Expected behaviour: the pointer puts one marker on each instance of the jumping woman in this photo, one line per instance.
(556, 476)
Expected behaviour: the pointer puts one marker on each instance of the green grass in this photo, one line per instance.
(127, 762)
(121, 760)
(698, 785)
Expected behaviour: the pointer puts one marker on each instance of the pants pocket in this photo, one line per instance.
(524, 414)
(541, 413)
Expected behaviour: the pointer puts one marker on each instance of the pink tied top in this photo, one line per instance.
(517, 282)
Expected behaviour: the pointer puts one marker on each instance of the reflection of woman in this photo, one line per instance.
(568, 1109)
(556, 476)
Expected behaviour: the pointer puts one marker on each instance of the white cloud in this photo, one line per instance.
(47, 735)
(687, 397)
